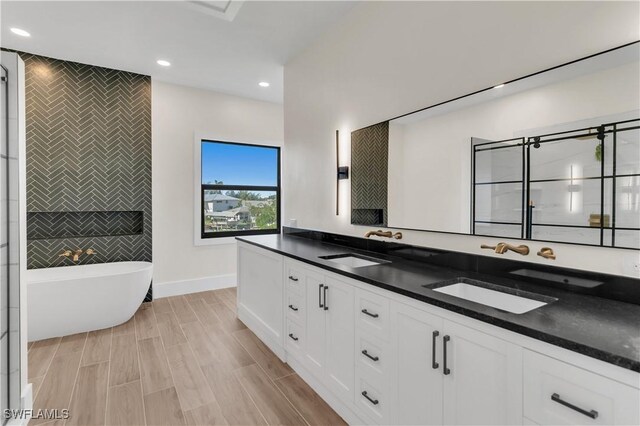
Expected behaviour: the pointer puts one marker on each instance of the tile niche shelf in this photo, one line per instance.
(58, 225)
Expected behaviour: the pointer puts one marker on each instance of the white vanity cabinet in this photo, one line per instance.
(448, 373)
(378, 357)
(327, 327)
(260, 294)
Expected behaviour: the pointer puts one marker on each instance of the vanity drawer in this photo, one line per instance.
(373, 356)
(372, 399)
(295, 308)
(373, 313)
(561, 394)
(295, 279)
(294, 339)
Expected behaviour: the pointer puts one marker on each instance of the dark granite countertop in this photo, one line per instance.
(601, 328)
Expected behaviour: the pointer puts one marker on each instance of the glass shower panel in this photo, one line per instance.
(573, 158)
(502, 163)
(628, 152)
(570, 203)
(566, 234)
(499, 203)
(4, 245)
(628, 202)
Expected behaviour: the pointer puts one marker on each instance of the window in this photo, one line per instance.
(240, 189)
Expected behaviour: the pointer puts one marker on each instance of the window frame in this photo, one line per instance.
(203, 237)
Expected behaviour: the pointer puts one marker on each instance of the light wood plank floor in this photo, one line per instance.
(182, 360)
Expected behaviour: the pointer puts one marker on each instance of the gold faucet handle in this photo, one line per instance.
(484, 246)
(547, 253)
(91, 252)
(397, 235)
(65, 253)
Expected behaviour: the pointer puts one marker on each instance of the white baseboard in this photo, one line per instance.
(175, 288)
(264, 332)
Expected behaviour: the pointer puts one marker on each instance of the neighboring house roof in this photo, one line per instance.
(257, 203)
(219, 197)
(230, 213)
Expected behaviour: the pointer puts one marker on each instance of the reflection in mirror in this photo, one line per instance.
(470, 165)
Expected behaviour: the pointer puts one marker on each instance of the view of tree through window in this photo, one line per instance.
(240, 189)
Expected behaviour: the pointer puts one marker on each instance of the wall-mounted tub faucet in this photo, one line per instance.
(75, 255)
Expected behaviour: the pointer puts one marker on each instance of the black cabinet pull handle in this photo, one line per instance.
(364, 311)
(434, 364)
(320, 305)
(292, 278)
(293, 308)
(371, 357)
(326, 305)
(445, 369)
(593, 413)
(293, 337)
(373, 401)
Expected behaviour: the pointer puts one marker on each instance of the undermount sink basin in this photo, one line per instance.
(503, 298)
(353, 260)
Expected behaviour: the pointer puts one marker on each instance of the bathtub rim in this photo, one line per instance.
(146, 266)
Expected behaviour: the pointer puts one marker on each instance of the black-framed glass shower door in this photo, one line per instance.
(498, 188)
(582, 186)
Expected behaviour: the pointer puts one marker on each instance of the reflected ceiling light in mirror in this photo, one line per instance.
(163, 63)
(20, 32)
(499, 86)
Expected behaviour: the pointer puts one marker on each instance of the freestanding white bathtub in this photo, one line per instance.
(74, 299)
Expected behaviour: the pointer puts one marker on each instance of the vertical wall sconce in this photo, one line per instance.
(342, 172)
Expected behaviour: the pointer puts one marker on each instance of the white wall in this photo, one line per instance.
(178, 113)
(389, 58)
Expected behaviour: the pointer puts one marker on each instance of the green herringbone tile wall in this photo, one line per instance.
(369, 174)
(88, 149)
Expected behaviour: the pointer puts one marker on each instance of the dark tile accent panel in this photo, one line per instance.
(369, 168)
(47, 225)
(614, 287)
(88, 150)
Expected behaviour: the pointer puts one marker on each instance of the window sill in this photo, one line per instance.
(214, 241)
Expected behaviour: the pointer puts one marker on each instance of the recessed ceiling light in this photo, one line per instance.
(20, 32)
(263, 84)
(163, 63)
(498, 86)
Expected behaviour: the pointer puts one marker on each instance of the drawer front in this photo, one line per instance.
(559, 393)
(373, 313)
(373, 356)
(372, 400)
(295, 308)
(295, 339)
(295, 279)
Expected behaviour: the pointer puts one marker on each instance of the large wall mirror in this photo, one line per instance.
(554, 156)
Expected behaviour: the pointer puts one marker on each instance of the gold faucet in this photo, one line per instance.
(502, 248)
(547, 253)
(381, 233)
(65, 253)
(76, 255)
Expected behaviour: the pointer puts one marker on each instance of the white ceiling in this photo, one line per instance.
(228, 47)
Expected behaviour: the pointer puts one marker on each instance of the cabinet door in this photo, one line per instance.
(419, 385)
(484, 386)
(315, 323)
(260, 291)
(340, 368)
